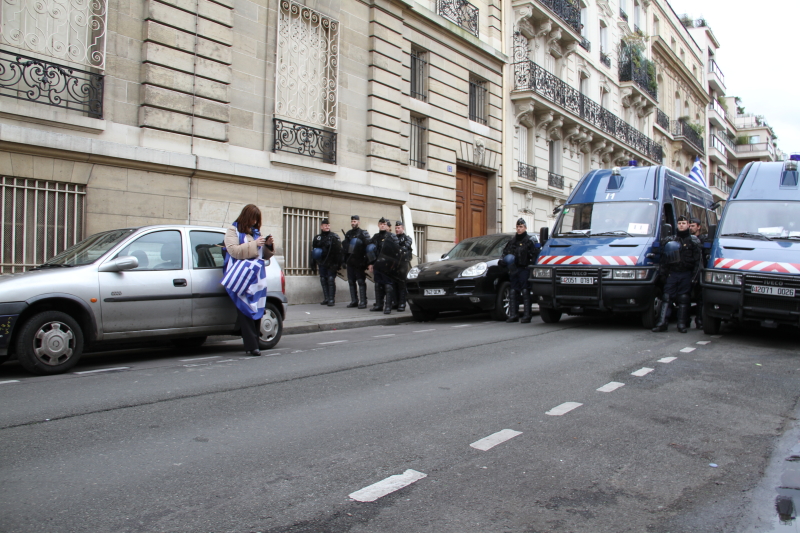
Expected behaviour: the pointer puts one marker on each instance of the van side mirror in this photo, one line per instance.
(712, 231)
(666, 231)
(544, 234)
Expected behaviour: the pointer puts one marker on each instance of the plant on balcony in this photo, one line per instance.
(697, 128)
(723, 105)
(687, 21)
(632, 49)
(742, 139)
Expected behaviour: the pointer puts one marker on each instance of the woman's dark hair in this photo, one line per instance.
(249, 218)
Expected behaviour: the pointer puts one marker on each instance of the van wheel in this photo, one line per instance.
(549, 316)
(50, 342)
(711, 325)
(649, 317)
(271, 328)
(500, 311)
(421, 315)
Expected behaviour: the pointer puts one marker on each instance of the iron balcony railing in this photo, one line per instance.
(728, 142)
(460, 12)
(714, 69)
(733, 168)
(643, 74)
(567, 11)
(683, 129)
(720, 183)
(585, 44)
(526, 171)
(623, 15)
(528, 76)
(716, 106)
(717, 143)
(43, 82)
(605, 59)
(304, 140)
(662, 119)
(755, 147)
(555, 180)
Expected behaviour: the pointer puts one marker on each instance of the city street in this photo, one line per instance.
(588, 425)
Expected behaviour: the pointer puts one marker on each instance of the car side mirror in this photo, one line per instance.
(444, 256)
(712, 231)
(118, 264)
(544, 234)
(666, 231)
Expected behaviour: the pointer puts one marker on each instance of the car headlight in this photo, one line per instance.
(413, 273)
(623, 273)
(478, 269)
(723, 278)
(542, 272)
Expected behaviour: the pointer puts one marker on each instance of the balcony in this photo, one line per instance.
(638, 73)
(559, 19)
(762, 151)
(42, 82)
(459, 12)
(605, 59)
(721, 184)
(526, 172)
(528, 76)
(717, 115)
(690, 138)
(716, 79)
(555, 181)
(623, 15)
(662, 120)
(716, 150)
(304, 140)
(585, 44)
(731, 169)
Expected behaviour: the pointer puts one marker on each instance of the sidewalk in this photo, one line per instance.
(308, 318)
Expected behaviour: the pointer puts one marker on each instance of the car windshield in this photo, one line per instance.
(607, 218)
(479, 246)
(759, 219)
(90, 249)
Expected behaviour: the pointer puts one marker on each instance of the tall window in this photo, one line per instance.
(656, 26)
(421, 241)
(603, 98)
(554, 165)
(584, 19)
(677, 105)
(299, 228)
(584, 86)
(603, 38)
(418, 74)
(522, 135)
(477, 100)
(637, 15)
(418, 142)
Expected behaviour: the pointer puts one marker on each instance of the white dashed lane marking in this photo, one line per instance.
(688, 349)
(387, 486)
(461, 326)
(494, 439)
(378, 336)
(703, 343)
(199, 358)
(10, 381)
(423, 330)
(667, 359)
(331, 342)
(104, 370)
(642, 371)
(611, 386)
(563, 408)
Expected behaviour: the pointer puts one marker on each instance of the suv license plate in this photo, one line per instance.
(773, 291)
(577, 281)
(435, 292)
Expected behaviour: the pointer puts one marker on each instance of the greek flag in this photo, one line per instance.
(696, 174)
(245, 281)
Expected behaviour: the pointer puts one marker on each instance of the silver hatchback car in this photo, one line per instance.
(124, 285)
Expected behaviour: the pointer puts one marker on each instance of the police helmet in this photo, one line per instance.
(316, 253)
(672, 252)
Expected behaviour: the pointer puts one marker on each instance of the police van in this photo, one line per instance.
(753, 271)
(604, 251)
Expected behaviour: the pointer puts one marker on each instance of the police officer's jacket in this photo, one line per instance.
(324, 240)
(363, 236)
(379, 238)
(406, 244)
(521, 246)
(691, 252)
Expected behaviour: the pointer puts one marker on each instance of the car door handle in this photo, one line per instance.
(179, 282)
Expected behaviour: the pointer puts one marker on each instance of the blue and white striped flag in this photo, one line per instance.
(696, 174)
(245, 281)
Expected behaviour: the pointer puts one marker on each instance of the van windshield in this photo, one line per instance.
(762, 219)
(88, 250)
(607, 218)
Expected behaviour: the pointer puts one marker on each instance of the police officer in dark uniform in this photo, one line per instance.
(696, 229)
(356, 241)
(407, 250)
(518, 254)
(326, 253)
(384, 284)
(680, 261)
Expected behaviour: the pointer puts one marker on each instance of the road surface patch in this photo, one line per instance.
(564, 408)
(494, 439)
(611, 386)
(387, 486)
(688, 349)
(104, 370)
(331, 342)
(642, 371)
(703, 343)
(667, 359)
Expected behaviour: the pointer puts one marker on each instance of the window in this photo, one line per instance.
(160, 250)
(522, 136)
(603, 98)
(603, 38)
(40, 219)
(419, 75)
(673, 43)
(656, 26)
(677, 112)
(477, 100)
(418, 142)
(681, 207)
(299, 228)
(206, 247)
(584, 18)
(553, 154)
(637, 15)
(584, 86)
(421, 241)
(755, 139)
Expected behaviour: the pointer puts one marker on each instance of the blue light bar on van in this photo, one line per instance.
(794, 157)
(633, 163)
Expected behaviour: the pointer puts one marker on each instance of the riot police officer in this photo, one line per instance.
(356, 241)
(382, 254)
(696, 229)
(326, 253)
(680, 262)
(519, 253)
(406, 250)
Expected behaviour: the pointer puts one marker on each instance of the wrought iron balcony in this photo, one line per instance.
(585, 44)
(643, 74)
(623, 15)
(567, 11)
(605, 59)
(528, 76)
(527, 172)
(43, 82)
(460, 12)
(555, 180)
(683, 129)
(304, 140)
(662, 119)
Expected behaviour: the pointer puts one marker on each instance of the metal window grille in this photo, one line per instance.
(417, 148)
(418, 77)
(40, 219)
(299, 228)
(477, 101)
(421, 241)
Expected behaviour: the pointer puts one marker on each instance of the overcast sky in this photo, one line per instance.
(758, 55)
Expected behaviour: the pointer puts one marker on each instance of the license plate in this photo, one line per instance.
(773, 291)
(435, 292)
(577, 281)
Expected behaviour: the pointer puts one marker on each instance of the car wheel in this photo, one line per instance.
(50, 342)
(549, 316)
(190, 343)
(4, 358)
(649, 315)
(500, 311)
(422, 315)
(711, 325)
(271, 328)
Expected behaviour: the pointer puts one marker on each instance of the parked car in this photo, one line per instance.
(126, 285)
(467, 278)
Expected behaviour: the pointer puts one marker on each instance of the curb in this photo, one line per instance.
(346, 324)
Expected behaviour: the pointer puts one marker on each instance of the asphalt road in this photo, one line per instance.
(214, 441)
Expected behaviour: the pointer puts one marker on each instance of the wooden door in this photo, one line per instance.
(471, 190)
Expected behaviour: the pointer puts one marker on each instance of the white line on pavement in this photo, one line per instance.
(10, 381)
(387, 486)
(331, 342)
(667, 359)
(461, 326)
(611, 386)
(494, 439)
(199, 358)
(563, 408)
(703, 343)
(642, 371)
(225, 361)
(387, 335)
(104, 370)
(688, 349)
(423, 330)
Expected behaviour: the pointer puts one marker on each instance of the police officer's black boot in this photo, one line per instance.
(663, 314)
(353, 294)
(526, 307)
(698, 318)
(513, 307)
(378, 298)
(403, 292)
(331, 291)
(387, 306)
(684, 303)
(362, 294)
(324, 283)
